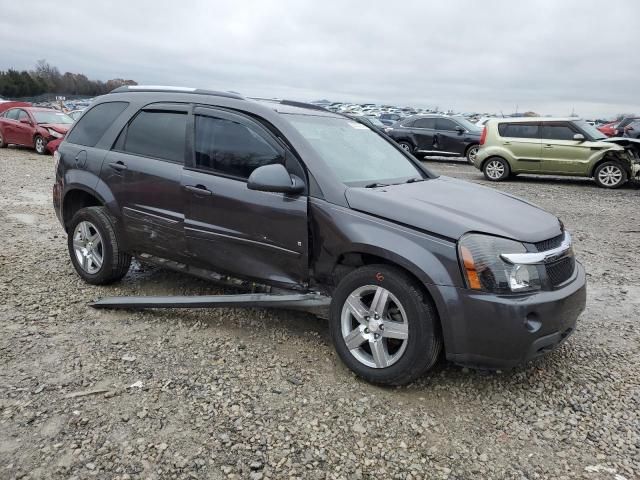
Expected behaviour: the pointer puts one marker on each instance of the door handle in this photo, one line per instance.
(548, 146)
(506, 143)
(198, 189)
(118, 166)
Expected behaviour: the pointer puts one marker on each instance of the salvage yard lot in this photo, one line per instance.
(257, 394)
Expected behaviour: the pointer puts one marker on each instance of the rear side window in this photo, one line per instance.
(425, 123)
(13, 114)
(518, 130)
(156, 134)
(230, 148)
(557, 131)
(90, 129)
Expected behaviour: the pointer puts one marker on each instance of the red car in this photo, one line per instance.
(609, 129)
(39, 128)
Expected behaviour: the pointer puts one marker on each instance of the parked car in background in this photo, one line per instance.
(560, 146)
(390, 118)
(414, 264)
(620, 128)
(33, 127)
(632, 130)
(609, 129)
(437, 135)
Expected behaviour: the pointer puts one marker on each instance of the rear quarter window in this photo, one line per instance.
(91, 127)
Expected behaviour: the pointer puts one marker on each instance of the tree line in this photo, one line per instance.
(46, 78)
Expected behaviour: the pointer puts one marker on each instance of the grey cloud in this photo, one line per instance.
(489, 55)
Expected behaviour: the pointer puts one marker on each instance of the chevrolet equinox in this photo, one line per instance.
(301, 199)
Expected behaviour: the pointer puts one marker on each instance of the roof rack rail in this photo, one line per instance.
(162, 88)
(293, 103)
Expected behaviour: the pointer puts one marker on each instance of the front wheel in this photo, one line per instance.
(610, 175)
(94, 247)
(496, 169)
(406, 146)
(472, 153)
(40, 144)
(383, 326)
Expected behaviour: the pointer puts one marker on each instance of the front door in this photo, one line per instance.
(449, 139)
(24, 129)
(144, 170)
(232, 229)
(562, 154)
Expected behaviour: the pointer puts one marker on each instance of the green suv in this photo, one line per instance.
(555, 146)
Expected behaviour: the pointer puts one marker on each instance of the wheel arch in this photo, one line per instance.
(610, 156)
(76, 198)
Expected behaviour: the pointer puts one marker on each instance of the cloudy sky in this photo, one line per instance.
(548, 56)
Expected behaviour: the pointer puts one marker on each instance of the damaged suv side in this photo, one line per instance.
(303, 200)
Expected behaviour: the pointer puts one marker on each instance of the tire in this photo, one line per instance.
(496, 169)
(2, 143)
(40, 144)
(406, 146)
(403, 358)
(471, 154)
(610, 175)
(99, 259)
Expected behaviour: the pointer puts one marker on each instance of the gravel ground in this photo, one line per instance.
(255, 394)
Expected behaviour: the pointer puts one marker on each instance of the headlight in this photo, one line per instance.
(53, 133)
(484, 270)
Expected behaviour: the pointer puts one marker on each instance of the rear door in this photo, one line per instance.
(10, 123)
(423, 130)
(230, 228)
(144, 169)
(561, 153)
(522, 139)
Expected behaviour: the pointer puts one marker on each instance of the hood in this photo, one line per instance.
(449, 207)
(58, 127)
(622, 140)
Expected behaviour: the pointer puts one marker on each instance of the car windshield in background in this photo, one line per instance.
(52, 117)
(590, 130)
(355, 153)
(466, 124)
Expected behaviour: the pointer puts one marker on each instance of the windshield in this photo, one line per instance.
(590, 130)
(356, 154)
(52, 117)
(467, 125)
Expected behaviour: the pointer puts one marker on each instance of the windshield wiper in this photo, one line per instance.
(415, 179)
(376, 184)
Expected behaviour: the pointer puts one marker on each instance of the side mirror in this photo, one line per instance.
(25, 121)
(274, 178)
(579, 137)
(460, 129)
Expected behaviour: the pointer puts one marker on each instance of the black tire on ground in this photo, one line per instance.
(115, 262)
(496, 169)
(471, 152)
(610, 174)
(2, 143)
(40, 144)
(406, 146)
(424, 342)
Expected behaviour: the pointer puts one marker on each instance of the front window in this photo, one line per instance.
(467, 125)
(52, 117)
(591, 131)
(356, 154)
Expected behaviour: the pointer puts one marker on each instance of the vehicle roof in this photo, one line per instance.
(535, 119)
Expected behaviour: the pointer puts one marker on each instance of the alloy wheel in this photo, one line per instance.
(610, 175)
(88, 247)
(495, 170)
(40, 145)
(472, 154)
(374, 326)
(405, 147)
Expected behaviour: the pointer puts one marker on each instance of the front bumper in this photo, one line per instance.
(483, 330)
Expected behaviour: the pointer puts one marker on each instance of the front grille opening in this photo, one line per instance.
(550, 243)
(561, 270)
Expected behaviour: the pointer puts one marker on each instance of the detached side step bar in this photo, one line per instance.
(248, 300)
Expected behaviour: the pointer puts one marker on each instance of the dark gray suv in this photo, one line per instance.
(310, 201)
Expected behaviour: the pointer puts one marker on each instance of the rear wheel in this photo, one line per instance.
(94, 247)
(406, 146)
(383, 326)
(610, 175)
(40, 144)
(2, 142)
(496, 169)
